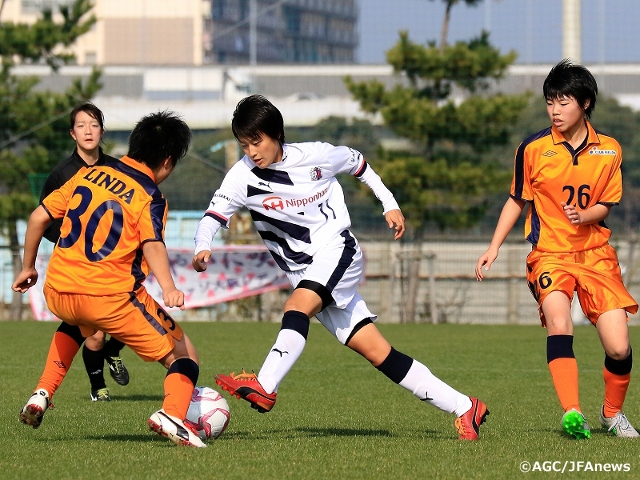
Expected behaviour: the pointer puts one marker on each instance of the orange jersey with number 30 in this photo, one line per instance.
(548, 172)
(109, 212)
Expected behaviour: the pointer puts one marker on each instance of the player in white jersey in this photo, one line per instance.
(298, 209)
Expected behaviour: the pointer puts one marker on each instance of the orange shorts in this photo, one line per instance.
(593, 274)
(135, 319)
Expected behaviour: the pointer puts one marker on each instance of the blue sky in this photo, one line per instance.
(533, 28)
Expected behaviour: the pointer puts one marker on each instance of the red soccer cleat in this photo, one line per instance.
(245, 385)
(468, 425)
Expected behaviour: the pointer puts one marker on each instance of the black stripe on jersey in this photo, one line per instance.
(345, 260)
(136, 270)
(297, 257)
(150, 318)
(216, 217)
(253, 191)
(157, 208)
(144, 180)
(534, 235)
(519, 162)
(296, 232)
(275, 176)
(282, 263)
(362, 170)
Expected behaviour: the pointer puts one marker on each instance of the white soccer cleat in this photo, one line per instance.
(174, 429)
(618, 425)
(32, 413)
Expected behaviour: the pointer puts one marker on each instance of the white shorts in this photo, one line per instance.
(339, 266)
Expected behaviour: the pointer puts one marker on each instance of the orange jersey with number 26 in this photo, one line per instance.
(548, 172)
(109, 212)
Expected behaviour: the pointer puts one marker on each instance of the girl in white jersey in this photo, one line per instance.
(298, 209)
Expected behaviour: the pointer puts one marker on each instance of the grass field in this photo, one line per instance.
(336, 416)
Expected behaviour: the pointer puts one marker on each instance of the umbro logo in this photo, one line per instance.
(549, 153)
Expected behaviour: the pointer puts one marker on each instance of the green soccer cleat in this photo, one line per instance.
(574, 424)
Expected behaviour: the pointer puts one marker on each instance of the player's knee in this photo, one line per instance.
(72, 330)
(296, 321)
(618, 360)
(186, 367)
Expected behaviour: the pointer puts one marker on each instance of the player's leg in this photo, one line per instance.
(93, 358)
(562, 363)
(117, 369)
(64, 346)
(182, 376)
(414, 376)
(614, 336)
(552, 280)
(260, 390)
(144, 326)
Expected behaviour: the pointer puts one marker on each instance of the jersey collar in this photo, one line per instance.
(141, 167)
(592, 136)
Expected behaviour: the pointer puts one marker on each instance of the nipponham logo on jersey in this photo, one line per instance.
(316, 173)
(273, 203)
(597, 151)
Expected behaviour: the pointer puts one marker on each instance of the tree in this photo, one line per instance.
(34, 125)
(443, 105)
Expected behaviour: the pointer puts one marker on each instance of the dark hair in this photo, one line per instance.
(567, 79)
(159, 136)
(91, 110)
(254, 116)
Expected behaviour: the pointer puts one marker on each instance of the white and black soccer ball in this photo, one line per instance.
(208, 413)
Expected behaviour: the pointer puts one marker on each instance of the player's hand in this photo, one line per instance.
(395, 220)
(200, 260)
(485, 260)
(572, 213)
(174, 298)
(26, 279)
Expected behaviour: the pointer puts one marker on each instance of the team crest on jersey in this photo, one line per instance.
(597, 151)
(316, 173)
(356, 157)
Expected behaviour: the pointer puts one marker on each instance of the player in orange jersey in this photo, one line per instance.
(87, 129)
(111, 236)
(570, 176)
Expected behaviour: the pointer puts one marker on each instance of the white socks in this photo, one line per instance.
(427, 387)
(284, 353)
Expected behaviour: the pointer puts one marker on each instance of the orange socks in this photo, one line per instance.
(615, 391)
(61, 352)
(616, 374)
(564, 372)
(181, 377)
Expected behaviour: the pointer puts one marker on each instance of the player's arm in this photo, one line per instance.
(156, 255)
(27, 278)
(207, 228)
(391, 210)
(508, 218)
(593, 214)
(225, 202)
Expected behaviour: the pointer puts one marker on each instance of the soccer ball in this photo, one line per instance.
(208, 413)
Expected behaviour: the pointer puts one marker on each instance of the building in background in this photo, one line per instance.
(197, 32)
(278, 31)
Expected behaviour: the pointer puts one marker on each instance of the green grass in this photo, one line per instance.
(336, 416)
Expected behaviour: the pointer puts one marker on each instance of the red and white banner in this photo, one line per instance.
(233, 272)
